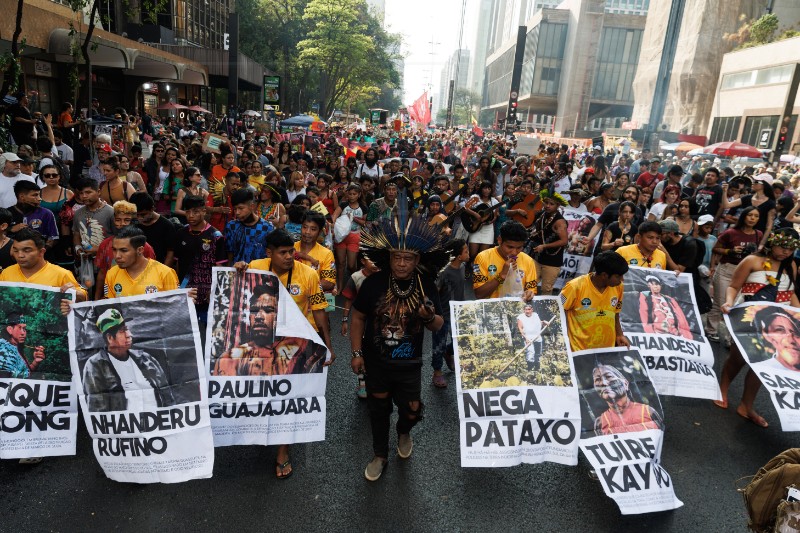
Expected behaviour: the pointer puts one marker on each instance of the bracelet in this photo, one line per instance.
(500, 280)
(357, 354)
(428, 321)
(345, 318)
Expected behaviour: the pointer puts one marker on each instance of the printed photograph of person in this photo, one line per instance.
(769, 335)
(245, 311)
(130, 362)
(659, 302)
(616, 394)
(509, 343)
(578, 230)
(33, 334)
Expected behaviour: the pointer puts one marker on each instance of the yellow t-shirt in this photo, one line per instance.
(633, 255)
(156, 277)
(327, 267)
(51, 276)
(591, 314)
(489, 263)
(305, 288)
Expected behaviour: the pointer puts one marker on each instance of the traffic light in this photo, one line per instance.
(781, 143)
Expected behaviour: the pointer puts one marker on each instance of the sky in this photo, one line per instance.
(422, 22)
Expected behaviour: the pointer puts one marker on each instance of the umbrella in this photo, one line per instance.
(733, 149)
(251, 113)
(171, 105)
(198, 109)
(302, 121)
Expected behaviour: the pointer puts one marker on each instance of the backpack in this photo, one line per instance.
(62, 169)
(768, 488)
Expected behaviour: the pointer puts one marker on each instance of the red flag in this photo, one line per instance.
(420, 111)
(477, 131)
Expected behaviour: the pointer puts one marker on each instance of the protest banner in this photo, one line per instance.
(622, 428)
(38, 408)
(517, 400)
(138, 365)
(577, 254)
(267, 380)
(768, 336)
(660, 317)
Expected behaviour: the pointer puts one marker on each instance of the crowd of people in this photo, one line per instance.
(393, 224)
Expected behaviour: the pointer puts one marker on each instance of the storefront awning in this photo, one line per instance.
(144, 61)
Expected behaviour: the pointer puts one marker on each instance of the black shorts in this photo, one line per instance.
(402, 382)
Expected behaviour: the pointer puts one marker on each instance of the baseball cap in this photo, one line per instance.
(766, 178)
(10, 156)
(655, 159)
(669, 226)
(110, 318)
(705, 219)
(105, 148)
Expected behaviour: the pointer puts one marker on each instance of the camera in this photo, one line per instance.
(749, 248)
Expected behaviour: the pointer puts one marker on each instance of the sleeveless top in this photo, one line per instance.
(545, 234)
(757, 280)
(55, 207)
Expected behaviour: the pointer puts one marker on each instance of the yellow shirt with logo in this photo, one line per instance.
(156, 277)
(489, 263)
(633, 255)
(51, 276)
(591, 314)
(304, 289)
(327, 266)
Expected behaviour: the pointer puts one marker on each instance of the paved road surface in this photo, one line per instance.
(705, 451)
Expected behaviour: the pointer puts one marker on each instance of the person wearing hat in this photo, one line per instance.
(705, 234)
(674, 176)
(576, 195)
(681, 249)
(12, 345)
(10, 166)
(762, 198)
(119, 378)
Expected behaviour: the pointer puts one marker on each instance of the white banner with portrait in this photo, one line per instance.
(622, 429)
(138, 365)
(578, 253)
(38, 406)
(768, 336)
(660, 318)
(265, 361)
(517, 402)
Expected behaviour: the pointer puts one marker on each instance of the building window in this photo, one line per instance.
(616, 64)
(753, 78)
(724, 129)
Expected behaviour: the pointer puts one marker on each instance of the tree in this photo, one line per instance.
(11, 66)
(277, 49)
(348, 49)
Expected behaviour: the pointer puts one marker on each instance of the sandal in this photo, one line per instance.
(753, 417)
(439, 381)
(280, 469)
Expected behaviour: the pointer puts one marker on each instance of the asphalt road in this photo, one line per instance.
(706, 450)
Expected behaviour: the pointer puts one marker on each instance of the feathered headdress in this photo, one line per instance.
(389, 235)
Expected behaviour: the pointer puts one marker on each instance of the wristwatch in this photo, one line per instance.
(357, 354)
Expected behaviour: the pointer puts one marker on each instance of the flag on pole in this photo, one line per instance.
(420, 110)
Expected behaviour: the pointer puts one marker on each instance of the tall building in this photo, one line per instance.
(698, 57)
(477, 67)
(136, 64)
(456, 68)
(579, 62)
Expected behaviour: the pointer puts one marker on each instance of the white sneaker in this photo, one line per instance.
(405, 446)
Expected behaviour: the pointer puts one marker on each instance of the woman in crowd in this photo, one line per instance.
(131, 176)
(326, 195)
(341, 179)
(270, 207)
(255, 176)
(621, 183)
(347, 249)
(284, 155)
(767, 275)
(733, 245)
(153, 169)
(174, 181)
(669, 197)
(684, 218)
(297, 186)
(621, 232)
(762, 199)
(483, 237)
(55, 198)
(191, 187)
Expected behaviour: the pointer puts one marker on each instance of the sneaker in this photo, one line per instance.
(713, 338)
(404, 445)
(375, 468)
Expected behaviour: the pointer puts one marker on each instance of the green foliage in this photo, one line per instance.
(763, 29)
(46, 327)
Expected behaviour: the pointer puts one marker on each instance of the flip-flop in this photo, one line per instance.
(722, 404)
(281, 467)
(755, 419)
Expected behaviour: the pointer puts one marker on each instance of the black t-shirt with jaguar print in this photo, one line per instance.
(393, 333)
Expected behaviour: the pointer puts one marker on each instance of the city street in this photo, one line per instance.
(706, 450)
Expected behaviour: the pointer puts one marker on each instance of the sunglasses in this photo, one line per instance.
(51, 176)
(159, 150)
